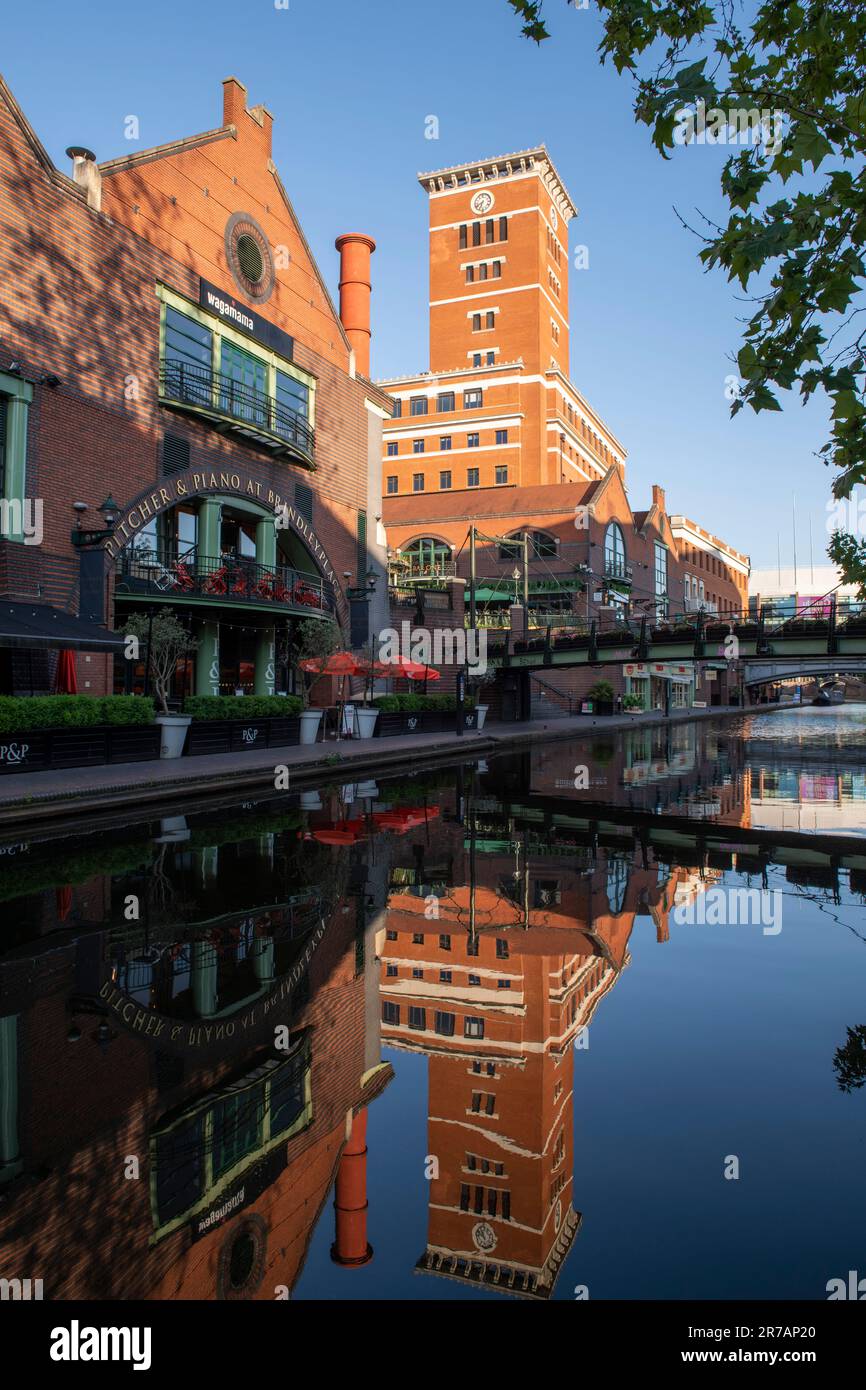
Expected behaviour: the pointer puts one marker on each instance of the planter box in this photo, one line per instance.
(89, 747)
(240, 735)
(429, 721)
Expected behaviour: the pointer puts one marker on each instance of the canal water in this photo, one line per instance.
(588, 1021)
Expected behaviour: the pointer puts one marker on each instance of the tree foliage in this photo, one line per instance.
(168, 642)
(794, 238)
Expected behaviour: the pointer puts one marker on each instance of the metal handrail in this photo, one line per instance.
(229, 578)
(195, 385)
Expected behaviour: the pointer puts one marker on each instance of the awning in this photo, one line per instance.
(39, 626)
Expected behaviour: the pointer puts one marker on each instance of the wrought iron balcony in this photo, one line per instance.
(617, 569)
(224, 580)
(238, 409)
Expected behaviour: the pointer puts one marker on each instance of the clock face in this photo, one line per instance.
(482, 202)
(484, 1237)
(554, 220)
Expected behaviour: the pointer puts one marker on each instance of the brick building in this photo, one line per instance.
(496, 437)
(174, 380)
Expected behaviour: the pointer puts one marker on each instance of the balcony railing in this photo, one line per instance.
(617, 569)
(223, 580)
(237, 407)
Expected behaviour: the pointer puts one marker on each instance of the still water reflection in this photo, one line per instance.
(491, 1030)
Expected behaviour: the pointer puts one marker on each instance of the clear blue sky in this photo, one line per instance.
(350, 85)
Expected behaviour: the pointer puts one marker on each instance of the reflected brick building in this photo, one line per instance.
(157, 1138)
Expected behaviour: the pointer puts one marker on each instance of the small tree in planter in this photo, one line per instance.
(316, 641)
(633, 703)
(166, 641)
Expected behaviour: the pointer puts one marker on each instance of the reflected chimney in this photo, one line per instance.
(355, 290)
(350, 1246)
(85, 172)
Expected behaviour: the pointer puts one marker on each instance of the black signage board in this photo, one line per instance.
(246, 320)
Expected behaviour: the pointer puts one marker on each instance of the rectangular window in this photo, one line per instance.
(445, 442)
(482, 271)
(445, 1024)
(476, 233)
(473, 1027)
(474, 980)
(390, 1012)
(490, 1106)
(501, 948)
(476, 356)
(418, 405)
(444, 977)
(491, 318)
(463, 237)
(491, 359)
(502, 436)
(503, 984)
(391, 971)
(474, 399)
(393, 484)
(445, 402)
(472, 477)
(497, 270)
(417, 482)
(445, 479)
(470, 274)
(476, 328)
(503, 229)
(417, 973)
(491, 1201)
(473, 441)
(188, 344)
(418, 938)
(479, 1201)
(464, 1197)
(417, 446)
(417, 1018)
(506, 1205)
(444, 943)
(398, 407)
(243, 379)
(501, 474)
(393, 450)
(292, 396)
(489, 231)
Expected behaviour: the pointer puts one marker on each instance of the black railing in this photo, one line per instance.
(249, 410)
(223, 579)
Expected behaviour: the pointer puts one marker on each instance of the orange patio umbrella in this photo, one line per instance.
(337, 664)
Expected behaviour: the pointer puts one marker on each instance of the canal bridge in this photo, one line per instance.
(823, 642)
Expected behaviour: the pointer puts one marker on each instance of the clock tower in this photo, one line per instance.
(499, 263)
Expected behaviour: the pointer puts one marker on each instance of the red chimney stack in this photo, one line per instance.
(355, 291)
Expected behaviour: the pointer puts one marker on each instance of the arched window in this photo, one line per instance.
(614, 552)
(617, 883)
(427, 556)
(542, 546)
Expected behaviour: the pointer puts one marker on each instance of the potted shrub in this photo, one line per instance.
(477, 684)
(168, 641)
(632, 704)
(317, 641)
(601, 695)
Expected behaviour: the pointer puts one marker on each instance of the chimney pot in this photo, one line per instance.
(85, 172)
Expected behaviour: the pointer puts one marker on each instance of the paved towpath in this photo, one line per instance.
(40, 796)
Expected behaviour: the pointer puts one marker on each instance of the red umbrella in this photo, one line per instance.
(65, 677)
(337, 664)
